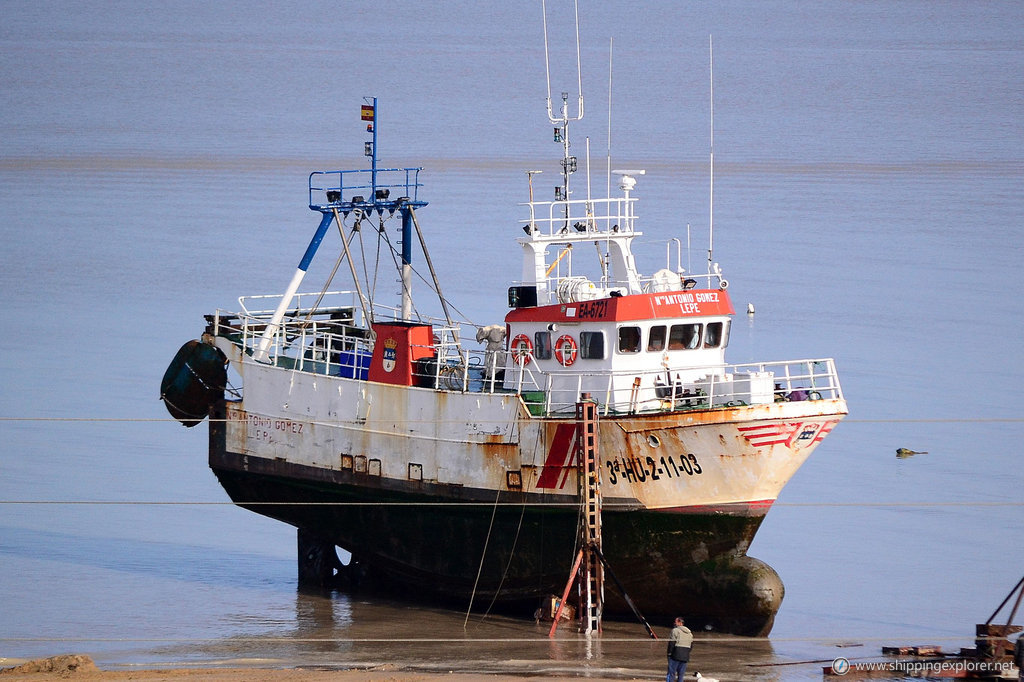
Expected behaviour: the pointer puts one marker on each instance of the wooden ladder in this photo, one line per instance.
(589, 484)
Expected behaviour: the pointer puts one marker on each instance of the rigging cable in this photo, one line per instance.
(483, 555)
(363, 302)
(511, 555)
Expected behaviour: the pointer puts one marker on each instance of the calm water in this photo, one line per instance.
(868, 201)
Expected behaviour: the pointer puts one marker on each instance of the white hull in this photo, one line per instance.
(696, 458)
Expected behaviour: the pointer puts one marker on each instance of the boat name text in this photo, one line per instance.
(593, 310)
(689, 302)
(639, 469)
(262, 428)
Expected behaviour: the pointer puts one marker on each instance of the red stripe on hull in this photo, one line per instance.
(563, 444)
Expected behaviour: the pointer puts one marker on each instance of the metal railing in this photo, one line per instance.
(709, 387)
(583, 217)
(366, 187)
(585, 220)
(334, 340)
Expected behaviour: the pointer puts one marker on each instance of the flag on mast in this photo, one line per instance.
(367, 112)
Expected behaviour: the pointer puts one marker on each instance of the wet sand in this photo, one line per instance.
(399, 642)
(288, 675)
(292, 675)
(724, 661)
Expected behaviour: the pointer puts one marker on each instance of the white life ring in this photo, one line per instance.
(521, 349)
(565, 350)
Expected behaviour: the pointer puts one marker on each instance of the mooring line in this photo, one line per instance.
(483, 555)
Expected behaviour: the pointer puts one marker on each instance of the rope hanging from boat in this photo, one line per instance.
(446, 305)
(371, 285)
(363, 303)
(372, 288)
(511, 556)
(327, 284)
(376, 262)
(398, 268)
(483, 555)
(433, 274)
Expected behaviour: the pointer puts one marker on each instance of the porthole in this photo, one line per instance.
(653, 441)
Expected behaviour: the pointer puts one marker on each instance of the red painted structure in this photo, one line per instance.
(398, 347)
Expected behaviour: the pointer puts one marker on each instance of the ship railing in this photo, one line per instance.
(718, 387)
(584, 220)
(560, 289)
(332, 340)
(304, 305)
(547, 393)
(328, 340)
(327, 333)
(264, 305)
(323, 332)
(365, 188)
(580, 219)
(448, 365)
(452, 367)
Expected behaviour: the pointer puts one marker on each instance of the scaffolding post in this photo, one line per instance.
(589, 485)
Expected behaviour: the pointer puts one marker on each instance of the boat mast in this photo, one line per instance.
(608, 159)
(369, 113)
(711, 193)
(562, 120)
(341, 200)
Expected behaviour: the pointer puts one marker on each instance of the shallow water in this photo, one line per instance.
(867, 200)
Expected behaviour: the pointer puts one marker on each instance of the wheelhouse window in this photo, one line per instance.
(685, 336)
(542, 345)
(717, 334)
(656, 338)
(629, 339)
(592, 345)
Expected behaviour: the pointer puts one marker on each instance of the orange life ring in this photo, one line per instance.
(521, 349)
(565, 350)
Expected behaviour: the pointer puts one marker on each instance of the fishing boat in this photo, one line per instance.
(448, 457)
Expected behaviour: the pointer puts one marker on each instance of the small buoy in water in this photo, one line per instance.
(904, 452)
(750, 309)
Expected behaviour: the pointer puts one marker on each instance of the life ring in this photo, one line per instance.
(521, 349)
(565, 350)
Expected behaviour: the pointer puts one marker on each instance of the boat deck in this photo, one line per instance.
(335, 340)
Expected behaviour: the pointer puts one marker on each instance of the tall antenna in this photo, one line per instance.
(711, 193)
(608, 171)
(562, 120)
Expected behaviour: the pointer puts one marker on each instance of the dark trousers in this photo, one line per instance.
(676, 670)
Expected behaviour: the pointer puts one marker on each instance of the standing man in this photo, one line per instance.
(679, 643)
